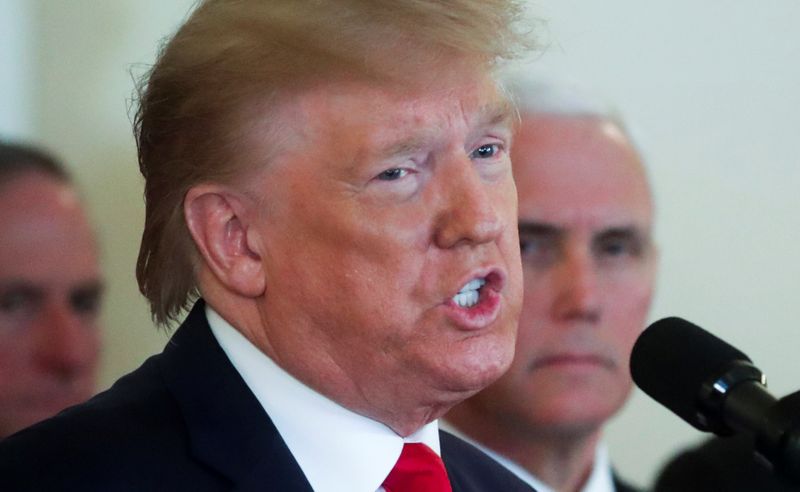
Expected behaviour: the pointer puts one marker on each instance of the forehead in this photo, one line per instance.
(44, 234)
(579, 171)
(378, 114)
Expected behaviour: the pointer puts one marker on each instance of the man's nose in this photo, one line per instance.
(578, 294)
(66, 344)
(470, 209)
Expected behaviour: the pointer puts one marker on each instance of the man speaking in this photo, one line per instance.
(332, 180)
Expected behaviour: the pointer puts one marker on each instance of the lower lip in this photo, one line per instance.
(479, 316)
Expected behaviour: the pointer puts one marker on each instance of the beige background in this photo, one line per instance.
(712, 89)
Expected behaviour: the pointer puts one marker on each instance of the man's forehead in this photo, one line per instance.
(493, 114)
(478, 96)
(392, 119)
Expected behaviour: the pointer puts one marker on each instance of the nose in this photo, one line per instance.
(471, 209)
(67, 344)
(578, 294)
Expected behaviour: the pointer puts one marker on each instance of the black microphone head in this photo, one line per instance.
(673, 359)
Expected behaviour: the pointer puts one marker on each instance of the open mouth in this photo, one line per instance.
(478, 303)
(470, 293)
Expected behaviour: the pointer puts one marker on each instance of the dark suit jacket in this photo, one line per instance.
(622, 486)
(185, 420)
(720, 465)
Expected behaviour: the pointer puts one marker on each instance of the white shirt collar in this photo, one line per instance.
(337, 449)
(600, 480)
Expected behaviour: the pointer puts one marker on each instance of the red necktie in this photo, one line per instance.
(418, 469)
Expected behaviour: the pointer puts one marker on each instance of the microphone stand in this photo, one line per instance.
(779, 438)
(738, 401)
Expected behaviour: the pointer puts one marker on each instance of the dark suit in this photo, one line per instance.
(720, 465)
(623, 486)
(185, 420)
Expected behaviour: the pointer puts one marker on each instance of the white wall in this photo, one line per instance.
(16, 70)
(713, 87)
(67, 72)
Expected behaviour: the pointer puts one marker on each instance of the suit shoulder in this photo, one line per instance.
(621, 485)
(119, 436)
(470, 469)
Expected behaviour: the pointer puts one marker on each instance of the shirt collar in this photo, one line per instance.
(337, 449)
(600, 480)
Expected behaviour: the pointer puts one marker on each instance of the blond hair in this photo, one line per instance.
(230, 54)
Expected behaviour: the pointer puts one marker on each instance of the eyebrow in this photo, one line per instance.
(91, 287)
(496, 113)
(17, 287)
(637, 234)
(409, 145)
(539, 229)
(545, 229)
(33, 288)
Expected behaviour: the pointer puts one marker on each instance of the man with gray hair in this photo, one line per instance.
(585, 214)
(328, 189)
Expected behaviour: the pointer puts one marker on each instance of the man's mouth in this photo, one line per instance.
(469, 295)
(479, 301)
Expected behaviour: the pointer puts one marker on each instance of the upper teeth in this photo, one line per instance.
(468, 295)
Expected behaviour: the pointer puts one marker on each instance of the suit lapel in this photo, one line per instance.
(229, 430)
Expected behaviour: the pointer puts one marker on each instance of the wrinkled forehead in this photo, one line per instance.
(469, 97)
(383, 115)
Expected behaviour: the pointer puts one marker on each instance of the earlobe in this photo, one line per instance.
(216, 220)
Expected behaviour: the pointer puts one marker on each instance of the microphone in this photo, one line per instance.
(716, 388)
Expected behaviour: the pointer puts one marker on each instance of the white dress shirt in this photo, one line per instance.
(337, 449)
(600, 480)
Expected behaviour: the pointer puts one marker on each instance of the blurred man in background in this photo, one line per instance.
(50, 290)
(585, 215)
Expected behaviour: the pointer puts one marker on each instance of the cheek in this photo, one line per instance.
(94, 345)
(539, 292)
(14, 361)
(628, 304)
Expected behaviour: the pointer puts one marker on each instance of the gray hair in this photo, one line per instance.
(536, 94)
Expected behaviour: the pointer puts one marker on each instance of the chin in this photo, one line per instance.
(480, 370)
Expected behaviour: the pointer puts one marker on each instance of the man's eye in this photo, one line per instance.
(392, 174)
(537, 250)
(11, 302)
(16, 301)
(619, 247)
(614, 248)
(485, 151)
(85, 302)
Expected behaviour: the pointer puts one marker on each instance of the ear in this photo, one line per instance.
(218, 223)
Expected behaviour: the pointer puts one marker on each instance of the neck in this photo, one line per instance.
(561, 458)
(399, 408)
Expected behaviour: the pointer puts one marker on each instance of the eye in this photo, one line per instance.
(86, 301)
(538, 250)
(19, 305)
(17, 300)
(619, 244)
(392, 174)
(486, 151)
(615, 248)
